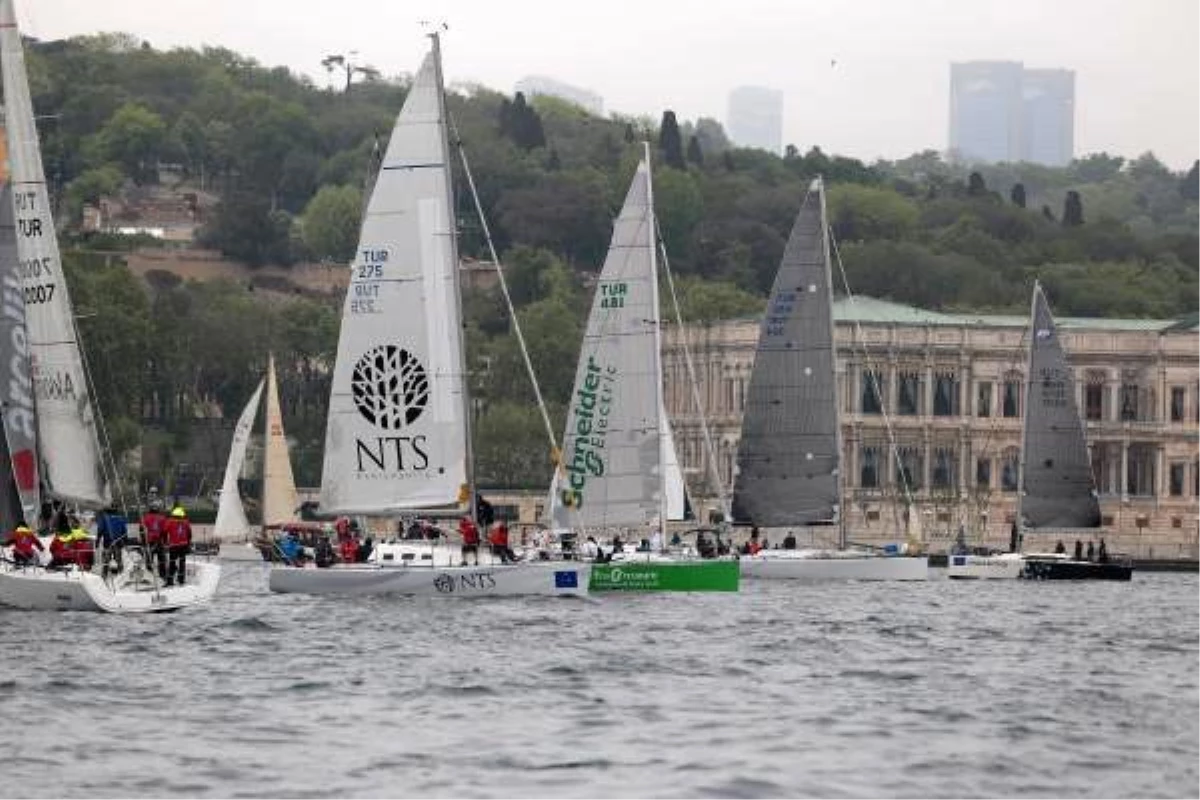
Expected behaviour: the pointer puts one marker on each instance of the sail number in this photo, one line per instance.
(34, 267)
(365, 291)
(41, 293)
(612, 295)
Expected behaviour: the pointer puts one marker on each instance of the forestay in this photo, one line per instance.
(1058, 489)
(788, 457)
(612, 453)
(231, 516)
(396, 435)
(66, 422)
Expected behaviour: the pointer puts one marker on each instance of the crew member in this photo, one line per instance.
(178, 533)
(498, 539)
(111, 533)
(25, 545)
(154, 522)
(469, 532)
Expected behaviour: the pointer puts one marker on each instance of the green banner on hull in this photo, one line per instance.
(665, 576)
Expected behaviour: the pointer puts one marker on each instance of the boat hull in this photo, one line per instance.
(798, 565)
(660, 575)
(1063, 569)
(39, 589)
(536, 578)
(1002, 566)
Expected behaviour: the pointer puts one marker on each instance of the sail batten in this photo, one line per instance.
(67, 431)
(788, 458)
(1058, 490)
(396, 436)
(613, 449)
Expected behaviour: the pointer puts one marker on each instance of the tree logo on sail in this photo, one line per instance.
(390, 387)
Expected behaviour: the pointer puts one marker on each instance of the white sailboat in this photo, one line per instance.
(616, 465)
(279, 499)
(789, 462)
(55, 417)
(398, 433)
(1057, 490)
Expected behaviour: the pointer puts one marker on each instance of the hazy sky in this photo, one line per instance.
(886, 96)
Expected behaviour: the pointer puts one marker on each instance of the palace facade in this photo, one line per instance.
(951, 414)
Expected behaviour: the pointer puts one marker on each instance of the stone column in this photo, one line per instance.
(927, 391)
(1124, 470)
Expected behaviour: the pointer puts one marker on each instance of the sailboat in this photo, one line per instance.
(398, 436)
(617, 446)
(279, 498)
(51, 412)
(1057, 490)
(789, 460)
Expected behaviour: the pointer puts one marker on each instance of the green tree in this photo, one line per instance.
(331, 222)
(1072, 210)
(864, 212)
(133, 138)
(1189, 187)
(1018, 195)
(91, 186)
(695, 155)
(670, 142)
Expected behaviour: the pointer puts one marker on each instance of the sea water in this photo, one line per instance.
(937, 689)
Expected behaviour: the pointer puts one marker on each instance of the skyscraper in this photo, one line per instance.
(755, 118)
(1000, 111)
(1048, 116)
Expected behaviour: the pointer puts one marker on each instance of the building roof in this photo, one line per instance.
(873, 310)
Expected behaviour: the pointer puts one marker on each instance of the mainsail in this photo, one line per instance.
(279, 486)
(231, 520)
(67, 430)
(16, 392)
(397, 435)
(789, 455)
(1057, 486)
(611, 472)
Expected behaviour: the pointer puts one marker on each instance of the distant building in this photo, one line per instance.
(1048, 117)
(755, 118)
(1000, 111)
(540, 84)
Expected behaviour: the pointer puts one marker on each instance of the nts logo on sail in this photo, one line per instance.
(390, 390)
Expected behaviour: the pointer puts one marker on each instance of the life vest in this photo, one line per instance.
(499, 535)
(152, 525)
(469, 531)
(178, 532)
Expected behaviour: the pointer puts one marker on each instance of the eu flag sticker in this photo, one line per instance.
(566, 579)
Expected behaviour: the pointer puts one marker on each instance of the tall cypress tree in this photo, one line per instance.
(1072, 210)
(671, 142)
(1018, 195)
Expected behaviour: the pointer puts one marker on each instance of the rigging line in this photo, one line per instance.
(462, 154)
(710, 448)
(873, 371)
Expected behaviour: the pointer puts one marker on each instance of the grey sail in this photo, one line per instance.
(788, 457)
(1058, 490)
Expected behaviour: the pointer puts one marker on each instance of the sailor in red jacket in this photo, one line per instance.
(25, 545)
(154, 522)
(498, 539)
(470, 539)
(178, 533)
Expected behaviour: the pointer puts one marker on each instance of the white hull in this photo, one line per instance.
(833, 565)
(131, 592)
(1002, 566)
(529, 578)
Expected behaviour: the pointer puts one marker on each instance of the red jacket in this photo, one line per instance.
(499, 535)
(152, 526)
(178, 532)
(60, 551)
(469, 531)
(25, 541)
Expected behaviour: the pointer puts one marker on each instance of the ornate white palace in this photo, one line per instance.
(951, 386)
